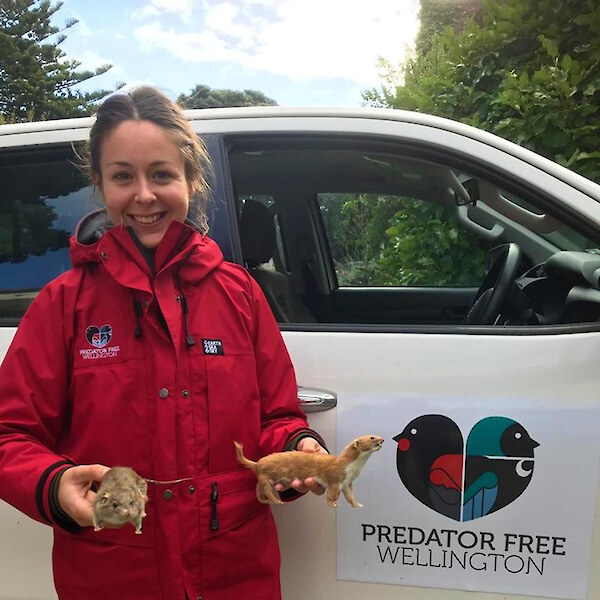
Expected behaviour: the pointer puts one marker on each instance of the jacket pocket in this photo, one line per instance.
(226, 501)
(233, 408)
(85, 568)
(239, 532)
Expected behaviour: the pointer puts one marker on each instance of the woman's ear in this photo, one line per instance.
(95, 179)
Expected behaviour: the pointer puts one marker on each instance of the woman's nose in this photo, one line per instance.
(144, 192)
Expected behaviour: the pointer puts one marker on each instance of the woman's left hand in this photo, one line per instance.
(309, 445)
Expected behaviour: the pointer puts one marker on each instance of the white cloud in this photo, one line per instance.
(155, 8)
(221, 20)
(195, 47)
(83, 29)
(143, 12)
(90, 60)
(304, 39)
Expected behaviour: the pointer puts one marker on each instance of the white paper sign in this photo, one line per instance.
(471, 494)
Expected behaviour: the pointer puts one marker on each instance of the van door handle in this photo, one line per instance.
(312, 400)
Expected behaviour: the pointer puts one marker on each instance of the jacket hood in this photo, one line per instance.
(96, 240)
(92, 227)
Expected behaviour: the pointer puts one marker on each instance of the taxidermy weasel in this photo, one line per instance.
(120, 499)
(335, 473)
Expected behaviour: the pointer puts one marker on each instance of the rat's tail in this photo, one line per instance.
(239, 450)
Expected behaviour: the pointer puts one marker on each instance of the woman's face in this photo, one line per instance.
(142, 180)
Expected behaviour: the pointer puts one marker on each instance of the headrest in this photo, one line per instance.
(257, 233)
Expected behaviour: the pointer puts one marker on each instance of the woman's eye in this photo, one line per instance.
(163, 175)
(121, 176)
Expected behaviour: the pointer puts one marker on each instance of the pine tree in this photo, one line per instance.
(36, 80)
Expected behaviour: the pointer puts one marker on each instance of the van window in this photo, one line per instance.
(382, 234)
(389, 240)
(44, 195)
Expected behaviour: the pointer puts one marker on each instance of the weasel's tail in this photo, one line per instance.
(239, 450)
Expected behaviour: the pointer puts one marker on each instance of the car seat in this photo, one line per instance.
(259, 244)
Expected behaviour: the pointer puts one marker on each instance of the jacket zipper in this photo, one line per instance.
(214, 497)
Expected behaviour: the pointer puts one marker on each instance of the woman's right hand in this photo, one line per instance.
(74, 492)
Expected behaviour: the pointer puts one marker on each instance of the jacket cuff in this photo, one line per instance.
(300, 434)
(59, 517)
(41, 490)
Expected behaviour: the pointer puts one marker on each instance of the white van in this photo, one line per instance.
(436, 285)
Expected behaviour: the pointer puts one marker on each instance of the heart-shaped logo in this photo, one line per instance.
(98, 336)
(465, 483)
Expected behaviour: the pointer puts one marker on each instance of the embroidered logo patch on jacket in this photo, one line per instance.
(213, 347)
(99, 338)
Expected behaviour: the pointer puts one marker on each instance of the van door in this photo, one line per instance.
(389, 238)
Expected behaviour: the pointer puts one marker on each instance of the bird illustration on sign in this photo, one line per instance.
(465, 481)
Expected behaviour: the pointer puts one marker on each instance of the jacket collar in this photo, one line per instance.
(96, 241)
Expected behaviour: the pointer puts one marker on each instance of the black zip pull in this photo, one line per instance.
(214, 522)
(139, 313)
(189, 340)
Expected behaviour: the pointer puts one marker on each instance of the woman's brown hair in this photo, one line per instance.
(149, 104)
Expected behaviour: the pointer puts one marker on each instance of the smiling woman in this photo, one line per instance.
(152, 353)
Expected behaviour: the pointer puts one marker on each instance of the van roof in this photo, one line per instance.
(249, 112)
(381, 114)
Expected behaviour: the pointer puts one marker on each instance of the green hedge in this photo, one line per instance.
(530, 73)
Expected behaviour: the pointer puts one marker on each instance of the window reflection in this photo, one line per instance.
(40, 205)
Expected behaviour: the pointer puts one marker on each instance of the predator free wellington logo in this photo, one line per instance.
(98, 336)
(465, 482)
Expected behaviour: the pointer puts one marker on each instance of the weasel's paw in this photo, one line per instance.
(138, 532)
(357, 505)
(332, 504)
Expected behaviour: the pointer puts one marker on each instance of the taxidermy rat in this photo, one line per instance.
(335, 473)
(120, 499)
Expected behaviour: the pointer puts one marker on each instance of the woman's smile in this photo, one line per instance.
(147, 219)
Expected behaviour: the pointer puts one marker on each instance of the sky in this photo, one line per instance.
(297, 52)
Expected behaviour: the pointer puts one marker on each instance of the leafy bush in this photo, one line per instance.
(383, 240)
(530, 73)
(428, 248)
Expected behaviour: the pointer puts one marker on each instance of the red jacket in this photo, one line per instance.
(160, 372)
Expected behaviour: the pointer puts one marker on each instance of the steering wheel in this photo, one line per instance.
(504, 263)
